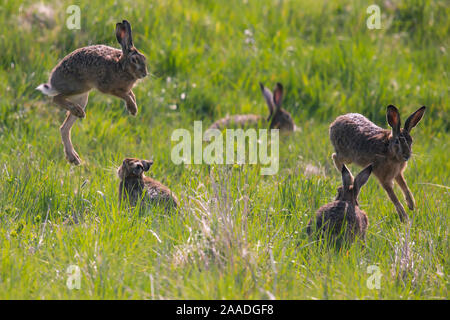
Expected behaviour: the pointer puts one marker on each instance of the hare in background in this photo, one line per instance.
(134, 185)
(278, 117)
(341, 221)
(356, 139)
(107, 69)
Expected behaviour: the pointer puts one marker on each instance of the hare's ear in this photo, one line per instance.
(269, 99)
(347, 178)
(129, 35)
(361, 179)
(414, 119)
(121, 170)
(147, 164)
(393, 118)
(278, 95)
(123, 35)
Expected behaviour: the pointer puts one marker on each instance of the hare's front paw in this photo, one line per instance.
(77, 111)
(132, 109)
(410, 203)
(402, 213)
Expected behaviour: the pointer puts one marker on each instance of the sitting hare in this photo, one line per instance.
(134, 185)
(107, 69)
(341, 221)
(356, 139)
(278, 117)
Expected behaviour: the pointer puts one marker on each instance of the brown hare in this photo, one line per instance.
(107, 69)
(341, 221)
(278, 117)
(356, 139)
(134, 185)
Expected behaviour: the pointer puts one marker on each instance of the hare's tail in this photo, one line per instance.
(47, 89)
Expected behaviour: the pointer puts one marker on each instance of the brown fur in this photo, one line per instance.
(242, 120)
(356, 139)
(134, 185)
(342, 221)
(109, 70)
(278, 117)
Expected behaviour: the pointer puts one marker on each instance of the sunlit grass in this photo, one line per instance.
(237, 234)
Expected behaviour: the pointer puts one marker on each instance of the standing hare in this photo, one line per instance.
(107, 69)
(134, 185)
(356, 139)
(278, 117)
(341, 221)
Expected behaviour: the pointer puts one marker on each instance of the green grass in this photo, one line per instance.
(237, 235)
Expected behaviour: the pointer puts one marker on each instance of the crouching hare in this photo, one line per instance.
(134, 185)
(356, 139)
(341, 221)
(278, 117)
(109, 70)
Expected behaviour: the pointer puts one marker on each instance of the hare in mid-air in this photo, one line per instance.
(278, 117)
(134, 185)
(342, 221)
(356, 139)
(104, 68)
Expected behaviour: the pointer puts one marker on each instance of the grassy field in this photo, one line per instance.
(237, 235)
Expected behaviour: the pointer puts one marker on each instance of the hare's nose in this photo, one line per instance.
(138, 170)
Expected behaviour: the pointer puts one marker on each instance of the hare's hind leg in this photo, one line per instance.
(408, 195)
(65, 102)
(389, 187)
(71, 155)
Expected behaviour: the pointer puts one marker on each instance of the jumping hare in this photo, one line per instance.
(278, 117)
(341, 221)
(107, 69)
(134, 185)
(356, 139)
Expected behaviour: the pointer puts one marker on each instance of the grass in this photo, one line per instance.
(237, 235)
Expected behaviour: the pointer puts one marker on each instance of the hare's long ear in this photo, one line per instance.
(278, 96)
(147, 164)
(123, 35)
(347, 178)
(393, 118)
(269, 99)
(361, 179)
(130, 37)
(122, 169)
(414, 119)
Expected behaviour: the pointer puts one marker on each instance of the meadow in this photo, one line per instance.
(237, 234)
